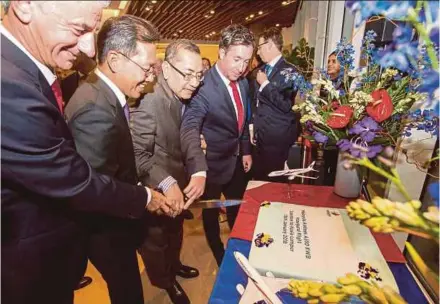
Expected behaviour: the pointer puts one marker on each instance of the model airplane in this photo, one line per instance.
(293, 173)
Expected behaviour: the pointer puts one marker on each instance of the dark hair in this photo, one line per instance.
(174, 47)
(332, 53)
(209, 61)
(122, 34)
(274, 34)
(236, 34)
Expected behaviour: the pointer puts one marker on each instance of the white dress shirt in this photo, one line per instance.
(47, 73)
(113, 87)
(272, 63)
(227, 84)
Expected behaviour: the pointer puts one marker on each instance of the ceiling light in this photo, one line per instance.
(252, 16)
(122, 5)
(153, 1)
(284, 3)
(260, 13)
(277, 24)
(148, 8)
(175, 34)
(213, 33)
(206, 16)
(207, 36)
(247, 18)
(212, 11)
(180, 31)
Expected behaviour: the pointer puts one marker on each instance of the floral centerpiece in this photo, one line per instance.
(374, 112)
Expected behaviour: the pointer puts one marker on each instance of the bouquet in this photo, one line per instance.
(374, 112)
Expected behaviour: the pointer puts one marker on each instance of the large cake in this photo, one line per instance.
(315, 243)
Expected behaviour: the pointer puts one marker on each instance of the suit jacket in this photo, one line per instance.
(274, 120)
(156, 136)
(101, 131)
(44, 179)
(211, 113)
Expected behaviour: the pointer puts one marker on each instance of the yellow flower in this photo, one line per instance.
(432, 214)
(384, 206)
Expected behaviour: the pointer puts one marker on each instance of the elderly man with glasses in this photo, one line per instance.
(159, 161)
(98, 117)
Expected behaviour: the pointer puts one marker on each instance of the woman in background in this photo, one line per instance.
(206, 64)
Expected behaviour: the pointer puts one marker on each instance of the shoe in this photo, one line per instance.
(187, 272)
(85, 281)
(177, 294)
(187, 215)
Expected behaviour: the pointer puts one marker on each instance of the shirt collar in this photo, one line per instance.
(274, 61)
(47, 73)
(225, 80)
(113, 87)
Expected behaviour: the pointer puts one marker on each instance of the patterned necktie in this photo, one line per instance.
(267, 69)
(237, 99)
(56, 88)
(127, 112)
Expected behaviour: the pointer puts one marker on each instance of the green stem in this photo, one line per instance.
(412, 17)
(393, 178)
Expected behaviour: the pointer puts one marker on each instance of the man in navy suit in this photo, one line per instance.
(219, 112)
(274, 121)
(46, 186)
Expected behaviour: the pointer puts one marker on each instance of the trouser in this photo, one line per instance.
(112, 250)
(234, 189)
(160, 249)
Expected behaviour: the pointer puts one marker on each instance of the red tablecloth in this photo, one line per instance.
(316, 196)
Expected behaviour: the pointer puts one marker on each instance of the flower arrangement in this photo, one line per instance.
(371, 115)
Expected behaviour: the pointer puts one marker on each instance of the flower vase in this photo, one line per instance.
(347, 182)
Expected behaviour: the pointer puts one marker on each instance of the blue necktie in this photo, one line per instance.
(267, 69)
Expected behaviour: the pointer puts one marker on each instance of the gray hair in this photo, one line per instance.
(236, 34)
(180, 44)
(7, 3)
(122, 33)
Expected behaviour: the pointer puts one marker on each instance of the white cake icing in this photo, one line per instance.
(315, 243)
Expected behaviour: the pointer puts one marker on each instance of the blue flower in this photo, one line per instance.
(434, 35)
(391, 9)
(319, 137)
(430, 81)
(344, 145)
(433, 190)
(366, 129)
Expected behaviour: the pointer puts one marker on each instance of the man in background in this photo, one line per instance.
(274, 121)
(98, 117)
(159, 161)
(219, 112)
(47, 187)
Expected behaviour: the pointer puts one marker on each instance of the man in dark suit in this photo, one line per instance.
(274, 121)
(98, 117)
(156, 138)
(219, 112)
(46, 185)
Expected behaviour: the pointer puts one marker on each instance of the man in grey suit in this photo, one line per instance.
(98, 117)
(159, 161)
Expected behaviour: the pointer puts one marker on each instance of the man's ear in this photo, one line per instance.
(114, 61)
(23, 10)
(221, 53)
(165, 70)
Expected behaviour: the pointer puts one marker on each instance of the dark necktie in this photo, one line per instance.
(237, 99)
(268, 69)
(127, 112)
(56, 88)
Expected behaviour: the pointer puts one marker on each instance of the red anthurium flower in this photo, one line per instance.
(381, 107)
(340, 117)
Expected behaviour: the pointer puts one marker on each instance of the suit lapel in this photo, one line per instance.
(174, 106)
(13, 54)
(225, 92)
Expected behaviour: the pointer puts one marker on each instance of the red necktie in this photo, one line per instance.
(56, 88)
(237, 99)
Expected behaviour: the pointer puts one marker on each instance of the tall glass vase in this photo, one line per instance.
(347, 181)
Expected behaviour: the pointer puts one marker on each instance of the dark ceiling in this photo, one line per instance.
(204, 19)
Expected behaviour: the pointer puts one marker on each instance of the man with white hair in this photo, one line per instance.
(46, 186)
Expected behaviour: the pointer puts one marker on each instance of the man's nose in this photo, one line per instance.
(86, 44)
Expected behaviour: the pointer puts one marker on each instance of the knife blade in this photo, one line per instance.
(215, 203)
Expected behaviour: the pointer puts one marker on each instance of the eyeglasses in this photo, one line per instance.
(188, 77)
(259, 46)
(148, 72)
